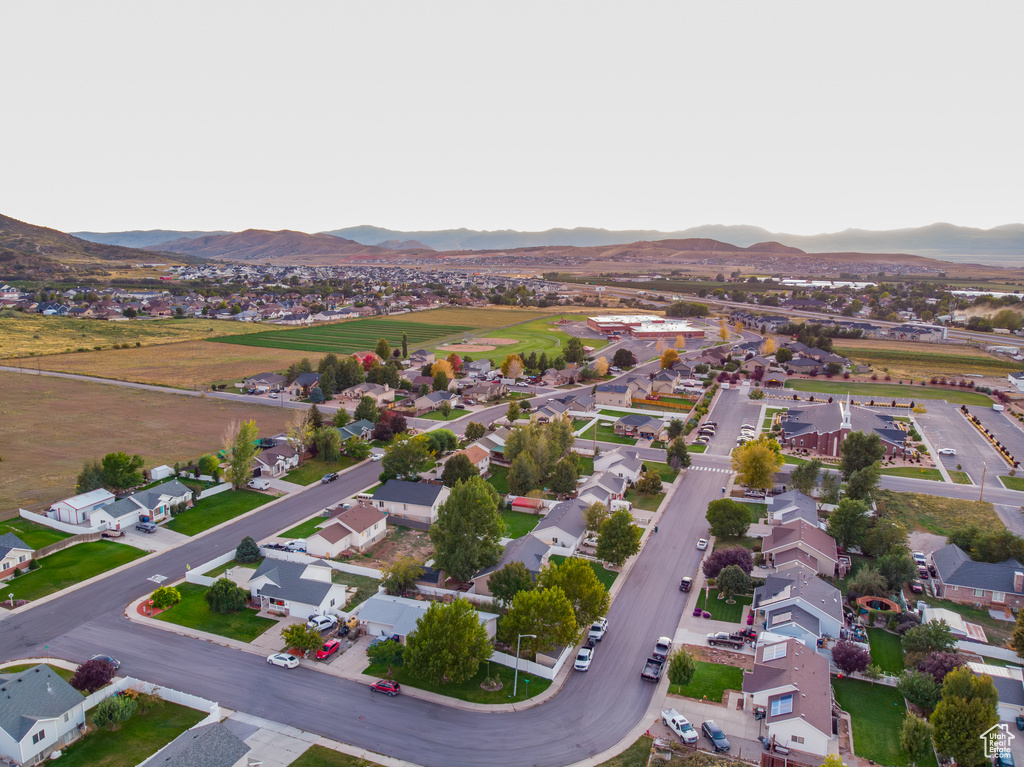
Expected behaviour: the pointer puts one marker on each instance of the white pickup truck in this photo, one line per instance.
(680, 725)
(662, 648)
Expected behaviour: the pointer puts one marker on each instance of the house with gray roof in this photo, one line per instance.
(797, 603)
(580, 402)
(563, 525)
(151, 505)
(433, 400)
(296, 588)
(212, 745)
(639, 426)
(361, 429)
(303, 384)
(529, 550)
(15, 555)
(277, 461)
(622, 462)
(1009, 683)
(263, 382)
(614, 394)
(549, 412)
(418, 501)
(985, 584)
(385, 615)
(821, 429)
(792, 505)
(604, 487)
(39, 713)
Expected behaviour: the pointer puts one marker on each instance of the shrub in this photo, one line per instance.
(114, 711)
(92, 675)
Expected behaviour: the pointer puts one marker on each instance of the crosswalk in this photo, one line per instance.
(711, 468)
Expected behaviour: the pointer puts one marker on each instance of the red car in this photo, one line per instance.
(386, 686)
(330, 647)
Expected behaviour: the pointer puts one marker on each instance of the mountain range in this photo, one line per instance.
(1001, 245)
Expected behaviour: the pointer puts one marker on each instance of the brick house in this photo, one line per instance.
(960, 579)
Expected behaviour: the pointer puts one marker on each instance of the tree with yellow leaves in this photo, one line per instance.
(512, 367)
(601, 366)
(768, 347)
(680, 342)
(443, 366)
(660, 346)
(738, 327)
(723, 330)
(669, 357)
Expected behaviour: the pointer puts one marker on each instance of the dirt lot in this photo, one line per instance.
(49, 427)
(185, 365)
(402, 542)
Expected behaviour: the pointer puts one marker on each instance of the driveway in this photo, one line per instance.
(163, 539)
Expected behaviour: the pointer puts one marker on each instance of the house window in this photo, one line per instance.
(797, 739)
(332, 603)
(38, 736)
(979, 592)
(67, 716)
(783, 705)
(998, 596)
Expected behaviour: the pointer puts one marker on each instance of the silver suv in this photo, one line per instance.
(146, 527)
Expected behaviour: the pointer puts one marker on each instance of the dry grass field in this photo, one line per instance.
(49, 427)
(911, 359)
(23, 334)
(187, 365)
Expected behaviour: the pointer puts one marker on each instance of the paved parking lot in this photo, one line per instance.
(1006, 430)
(944, 426)
(732, 409)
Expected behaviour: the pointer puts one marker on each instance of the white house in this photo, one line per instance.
(277, 461)
(796, 602)
(790, 682)
(418, 501)
(385, 615)
(152, 505)
(357, 528)
(39, 713)
(76, 510)
(15, 555)
(296, 588)
(622, 462)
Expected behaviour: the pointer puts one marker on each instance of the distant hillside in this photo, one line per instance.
(263, 245)
(403, 245)
(936, 241)
(139, 238)
(35, 252)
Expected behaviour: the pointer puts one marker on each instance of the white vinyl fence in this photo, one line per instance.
(221, 488)
(530, 667)
(56, 524)
(196, 574)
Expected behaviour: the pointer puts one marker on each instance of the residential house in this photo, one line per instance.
(382, 394)
(797, 603)
(1009, 684)
(603, 487)
(76, 510)
(303, 384)
(1016, 380)
(792, 505)
(821, 429)
(639, 387)
(622, 462)
(988, 585)
(553, 377)
(563, 525)
(277, 461)
(432, 401)
(791, 683)
(418, 501)
(210, 745)
(958, 627)
(800, 543)
(388, 616)
(479, 456)
(39, 713)
(580, 402)
(614, 394)
(422, 357)
(296, 588)
(151, 505)
(756, 366)
(639, 426)
(361, 429)
(494, 444)
(263, 382)
(15, 555)
(484, 391)
(356, 529)
(477, 367)
(665, 381)
(550, 411)
(804, 365)
(529, 550)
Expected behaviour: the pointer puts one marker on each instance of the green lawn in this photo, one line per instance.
(314, 468)
(636, 755)
(536, 335)
(471, 690)
(857, 561)
(318, 756)
(304, 529)
(793, 460)
(757, 511)
(710, 681)
(606, 433)
(866, 391)
(645, 502)
(877, 712)
(364, 585)
(919, 511)
(961, 478)
(63, 673)
(886, 651)
(519, 523)
(997, 631)
(747, 542)
(136, 740)
(216, 509)
(232, 564)
(696, 448)
(499, 479)
(31, 533)
(71, 566)
(1010, 483)
(607, 577)
(720, 609)
(437, 415)
(913, 472)
(193, 612)
(667, 473)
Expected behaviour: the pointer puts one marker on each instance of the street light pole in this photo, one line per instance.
(981, 495)
(515, 685)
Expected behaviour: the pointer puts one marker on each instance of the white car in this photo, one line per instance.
(283, 659)
(702, 544)
(680, 725)
(586, 654)
(298, 545)
(377, 457)
(948, 451)
(920, 558)
(598, 630)
(746, 426)
(322, 622)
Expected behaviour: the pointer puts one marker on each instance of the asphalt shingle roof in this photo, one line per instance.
(32, 695)
(957, 569)
(212, 745)
(9, 541)
(286, 582)
(401, 491)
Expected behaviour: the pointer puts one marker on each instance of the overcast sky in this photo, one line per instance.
(800, 117)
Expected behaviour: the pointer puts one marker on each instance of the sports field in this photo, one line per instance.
(916, 359)
(348, 337)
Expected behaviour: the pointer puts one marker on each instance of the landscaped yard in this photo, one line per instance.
(216, 509)
(913, 472)
(313, 469)
(645, 502)
(710, 681)
(607, 577)
(364, 585)
(519, 523)
(941, 516)
(318, 756)
(499, 479)
(305, 529)
(471, 690)
(960, 477)
(217, 571)
(69, 567)
(667, 473)
(1010, 483)
(32, 534)
(606, 433)
(137, 739)
(757, 511)
(720, 609)
(877, 712)
(866, 391)
(437, 415)
(193, 612)
(886, 651)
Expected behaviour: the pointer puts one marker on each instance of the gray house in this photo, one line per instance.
(419, 501)
(39, 713)
(792, 505)
(212, 745)
(797, 603)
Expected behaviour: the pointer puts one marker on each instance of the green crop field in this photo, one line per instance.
(348, 337)
(865, 391)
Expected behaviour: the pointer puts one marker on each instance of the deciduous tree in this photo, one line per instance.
(727, 518)
(564, 476)
(916, 737)
(512, 366)
(467, 530)
(576, 578)
(405, 458)
(966, 710)
(513, 412)
(756, 462)
(732, 581)
(719, 559)
(883, 536)
(302, 638)
(328, 443)
(601, 366)
(624, 359)
(388, 653)
(367, 410)
(90, 477)
(92, 675)
(505, 583)
(226, 597)
(669, 357)
(545, 613)
(923, 640)
(122, 471)
(114, 711)
(862, 483)
(849, 523)
(859, 450)
(618, 539)
(383, 348)
(897, 568)
(681, 667)
(400, 575)
(475, 431)
(594, 516)
(868, 582)
(341, 418)
(678, 455)
(919, 688)
(165, 596)
(240, 444)
(448, 644)
(850, 657)
(458, 468)
(804, 477)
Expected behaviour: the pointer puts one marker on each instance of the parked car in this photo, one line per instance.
(326, 478)
(754, 494)
(113, 534)
(1003, 758)
(259, 483)
(272, 395)
(680, 725)
(583, 658)
(919, 557)
(599, 629)
(286, 660)
(714, 733)
(331, 646)
(702, 544)
(298, 545)
(146, 527)
(107, 659)
(947, 451)
(322, 622)
(916, 587)
(686, 584)
(377, 457)
(386, 686)
(923, 572)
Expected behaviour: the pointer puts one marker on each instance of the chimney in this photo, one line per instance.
(1018, 581)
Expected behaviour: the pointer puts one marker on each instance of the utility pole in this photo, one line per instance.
(981, 495)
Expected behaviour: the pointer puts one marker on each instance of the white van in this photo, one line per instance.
(259, 483)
